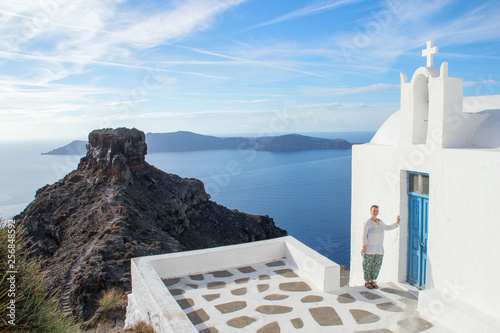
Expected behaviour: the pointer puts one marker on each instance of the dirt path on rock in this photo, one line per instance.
(77, 264)
(73, 269)
(108, 196)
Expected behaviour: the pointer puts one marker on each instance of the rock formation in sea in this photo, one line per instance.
(116, 206)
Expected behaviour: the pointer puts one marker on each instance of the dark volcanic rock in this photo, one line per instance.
(116, 206)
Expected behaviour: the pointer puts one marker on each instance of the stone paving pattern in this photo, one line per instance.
(271, 297)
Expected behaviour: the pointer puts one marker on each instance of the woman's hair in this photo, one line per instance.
(374, 206)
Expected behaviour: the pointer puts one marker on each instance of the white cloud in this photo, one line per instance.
(480, 24)
(403, 26)
(272, 64)
(314, 8)
(128, 102)
(250, 101)
(191, 114)
(85, 58)
(340, 116)
(366, 89)
(51, 61)
(478, 83)
(83, 32)
(324, 91)
(28, 99)
(188, 17)
(40, 95)
(381, 87)
(334, 106)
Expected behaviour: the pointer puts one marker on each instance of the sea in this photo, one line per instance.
(307, 193)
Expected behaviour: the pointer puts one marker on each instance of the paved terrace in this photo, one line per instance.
(272, 297)
(277, 285)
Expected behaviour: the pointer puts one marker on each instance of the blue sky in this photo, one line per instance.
(229, 66)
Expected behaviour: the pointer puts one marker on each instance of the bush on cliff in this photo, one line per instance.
(26, 303)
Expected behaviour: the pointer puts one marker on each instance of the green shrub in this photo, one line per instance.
(26, 302)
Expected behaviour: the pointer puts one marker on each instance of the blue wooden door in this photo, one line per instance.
(418, 209)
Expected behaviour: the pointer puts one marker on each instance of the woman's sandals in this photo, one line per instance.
(371, 285)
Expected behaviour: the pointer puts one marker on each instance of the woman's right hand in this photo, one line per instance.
(364, 249)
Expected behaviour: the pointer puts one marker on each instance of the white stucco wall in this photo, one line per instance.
(464, 228)
(464, 192)
(376, 180)
(465, 218)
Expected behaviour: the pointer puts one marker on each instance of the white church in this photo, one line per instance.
(436, 163)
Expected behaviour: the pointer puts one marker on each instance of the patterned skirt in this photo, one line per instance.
(371, 266)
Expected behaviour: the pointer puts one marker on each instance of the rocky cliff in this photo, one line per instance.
(116, 206)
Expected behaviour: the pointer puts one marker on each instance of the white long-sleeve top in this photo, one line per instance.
(373, 235)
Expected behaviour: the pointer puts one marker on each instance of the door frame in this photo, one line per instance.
(422, 232)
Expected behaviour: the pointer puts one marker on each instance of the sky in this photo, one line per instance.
(227, 67)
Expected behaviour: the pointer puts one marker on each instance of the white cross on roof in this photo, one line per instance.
(429, 52)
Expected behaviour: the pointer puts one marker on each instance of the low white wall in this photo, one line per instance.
(323, 273)
(151, 301)
(199, 261)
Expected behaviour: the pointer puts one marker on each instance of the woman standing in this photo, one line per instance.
(373, 246)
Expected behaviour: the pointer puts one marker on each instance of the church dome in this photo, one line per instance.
(485, 135)
(388, 133)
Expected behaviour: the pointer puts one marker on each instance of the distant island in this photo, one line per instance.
(189, 141)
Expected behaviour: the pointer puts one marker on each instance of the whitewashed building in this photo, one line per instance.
(436, 163)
